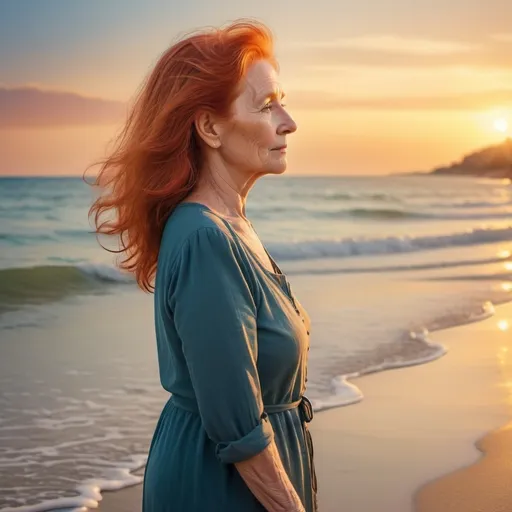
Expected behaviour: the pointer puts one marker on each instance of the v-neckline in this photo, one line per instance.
(278, 277)
(277, 274)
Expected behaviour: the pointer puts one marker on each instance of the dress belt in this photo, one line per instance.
(306, 415)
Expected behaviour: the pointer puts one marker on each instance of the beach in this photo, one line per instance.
(413, 447)
(408, 284)
(418, 424)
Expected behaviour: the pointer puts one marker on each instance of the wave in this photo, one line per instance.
(397, 214)
(375, 213)
(347, 196)
(472, 204)
(16, 239)
(348, 247)
(47, 283)
(38, 284)
(371, 269)
(346, 393)
(74, 233)
(50, 236)
(382, 214)
(371, 214)
(89, 492)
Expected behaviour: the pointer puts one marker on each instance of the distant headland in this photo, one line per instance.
(490, 162)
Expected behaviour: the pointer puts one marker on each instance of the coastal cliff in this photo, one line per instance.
(490, 162)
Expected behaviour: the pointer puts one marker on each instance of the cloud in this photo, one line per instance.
(33, 107)
(502, 38)
(392, 44)
(389, 50)
(321, 100)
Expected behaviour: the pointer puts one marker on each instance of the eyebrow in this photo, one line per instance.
(272, 95)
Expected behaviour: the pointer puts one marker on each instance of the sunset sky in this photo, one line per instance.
(375, 86)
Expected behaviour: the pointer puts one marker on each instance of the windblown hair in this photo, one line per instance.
(156, 158)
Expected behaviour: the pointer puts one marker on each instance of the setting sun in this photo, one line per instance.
(501, 125)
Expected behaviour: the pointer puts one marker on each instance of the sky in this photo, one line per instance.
(375, 86)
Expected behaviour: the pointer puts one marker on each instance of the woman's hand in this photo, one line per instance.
(266, 477)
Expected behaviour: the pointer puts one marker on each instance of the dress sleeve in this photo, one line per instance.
(215, 317)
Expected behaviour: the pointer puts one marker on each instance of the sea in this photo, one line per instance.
(379, 262)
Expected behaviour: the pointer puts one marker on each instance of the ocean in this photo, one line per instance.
(379, 262)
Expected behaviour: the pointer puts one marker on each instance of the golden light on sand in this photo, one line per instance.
(501, 125)
(506, 287)
(502, 359)
(508, 265)
(504, 254)
(503, 325)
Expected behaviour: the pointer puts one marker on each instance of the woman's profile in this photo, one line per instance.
(232, 338)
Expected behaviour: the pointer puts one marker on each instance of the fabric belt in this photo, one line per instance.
(306, 415)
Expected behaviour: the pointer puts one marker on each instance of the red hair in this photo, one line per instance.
(156, 158)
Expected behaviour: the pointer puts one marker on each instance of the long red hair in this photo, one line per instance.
(156, 158)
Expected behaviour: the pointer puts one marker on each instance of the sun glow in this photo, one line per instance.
(503, 325)
(501, 125)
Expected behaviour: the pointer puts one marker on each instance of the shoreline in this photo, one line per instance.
(416, 424)
(412, 438)
(471, 489)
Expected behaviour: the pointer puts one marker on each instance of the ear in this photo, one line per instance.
(207, 128)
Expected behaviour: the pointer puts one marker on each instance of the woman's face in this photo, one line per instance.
(254, 138)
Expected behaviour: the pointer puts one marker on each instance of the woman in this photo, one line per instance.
(232, 339)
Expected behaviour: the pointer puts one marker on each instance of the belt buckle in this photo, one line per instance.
(306, 409)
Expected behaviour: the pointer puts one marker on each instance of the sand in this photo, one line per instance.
(417, 425)
(482, 487)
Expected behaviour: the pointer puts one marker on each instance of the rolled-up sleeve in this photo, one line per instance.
(214, 313)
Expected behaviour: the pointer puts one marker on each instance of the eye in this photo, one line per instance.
(268, 107)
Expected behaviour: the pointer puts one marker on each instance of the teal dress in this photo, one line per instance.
(232, 344)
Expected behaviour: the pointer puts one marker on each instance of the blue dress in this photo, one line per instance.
(232, 343)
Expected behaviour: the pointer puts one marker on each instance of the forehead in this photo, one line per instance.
(261, 79)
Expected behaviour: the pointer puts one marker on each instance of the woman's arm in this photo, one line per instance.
(215, 316)
(265, 476)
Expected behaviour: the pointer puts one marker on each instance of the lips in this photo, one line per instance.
(280, 147)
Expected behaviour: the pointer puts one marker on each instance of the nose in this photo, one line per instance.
(287, 125)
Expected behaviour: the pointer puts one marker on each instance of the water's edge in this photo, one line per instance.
(345, 393)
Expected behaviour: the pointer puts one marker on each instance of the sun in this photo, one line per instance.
(501, 125)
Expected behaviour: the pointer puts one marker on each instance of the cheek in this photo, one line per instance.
(258, 134)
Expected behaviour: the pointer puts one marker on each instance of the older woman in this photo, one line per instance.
(232, 338)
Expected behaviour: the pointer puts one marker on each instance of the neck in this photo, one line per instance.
(224, 192)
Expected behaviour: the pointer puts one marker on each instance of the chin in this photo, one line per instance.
(276, 169)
